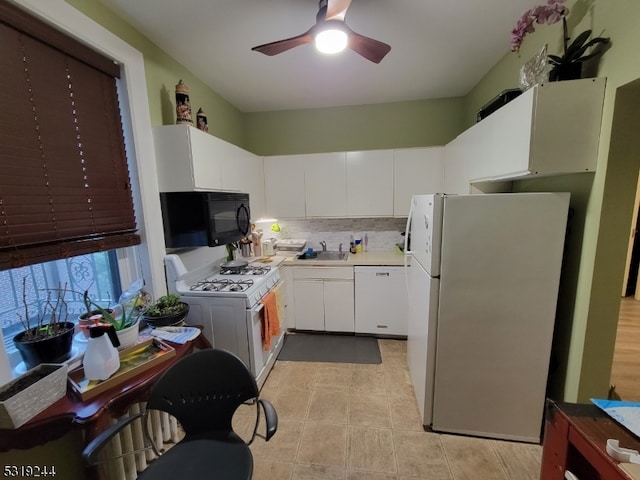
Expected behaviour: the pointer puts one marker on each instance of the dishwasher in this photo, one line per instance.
(381, 303)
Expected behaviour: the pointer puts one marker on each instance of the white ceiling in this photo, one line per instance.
(439, 48)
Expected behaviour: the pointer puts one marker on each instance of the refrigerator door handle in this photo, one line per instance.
(406, 277)
(407, 231)
(406, 251)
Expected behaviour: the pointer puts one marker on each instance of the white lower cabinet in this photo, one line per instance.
(339, 306)
(324, 298)
(309, 299)
(381, 300)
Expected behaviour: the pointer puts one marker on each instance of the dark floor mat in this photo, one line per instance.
(309, 347)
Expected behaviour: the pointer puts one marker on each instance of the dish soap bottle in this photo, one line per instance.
(101, 359)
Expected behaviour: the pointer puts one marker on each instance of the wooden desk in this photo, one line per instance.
(94, 415)
(575, 439)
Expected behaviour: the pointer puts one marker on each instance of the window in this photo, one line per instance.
(61, 148)
(97, 273)
(64, 179)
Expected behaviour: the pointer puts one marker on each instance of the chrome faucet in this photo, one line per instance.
(323, 244)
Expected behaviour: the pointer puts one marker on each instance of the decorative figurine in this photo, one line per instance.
(201, 120)
(183, 105)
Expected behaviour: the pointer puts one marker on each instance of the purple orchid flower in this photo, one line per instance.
(551, 12)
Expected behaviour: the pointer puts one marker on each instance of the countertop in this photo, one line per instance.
(378, 258)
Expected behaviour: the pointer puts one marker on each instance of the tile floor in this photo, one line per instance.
(361, 422)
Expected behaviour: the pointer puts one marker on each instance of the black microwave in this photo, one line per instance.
(196, 219)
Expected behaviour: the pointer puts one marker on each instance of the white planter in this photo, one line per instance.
(128, 336)
(29, 402)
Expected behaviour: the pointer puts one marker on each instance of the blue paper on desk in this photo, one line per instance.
(626, 413)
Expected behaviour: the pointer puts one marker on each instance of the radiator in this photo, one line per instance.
(127, 453)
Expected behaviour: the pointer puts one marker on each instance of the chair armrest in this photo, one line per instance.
(271, 418)
(91, 451)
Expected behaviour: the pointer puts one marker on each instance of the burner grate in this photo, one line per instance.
(249, 270)
(222, 285)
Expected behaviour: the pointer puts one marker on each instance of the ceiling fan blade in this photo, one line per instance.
(337, 9)
(369, 48)
(274, 48)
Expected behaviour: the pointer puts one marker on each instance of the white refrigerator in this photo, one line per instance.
(483, 273)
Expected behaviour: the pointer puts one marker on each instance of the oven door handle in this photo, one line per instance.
(260, 305)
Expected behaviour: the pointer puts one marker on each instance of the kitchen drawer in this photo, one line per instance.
(323, 273)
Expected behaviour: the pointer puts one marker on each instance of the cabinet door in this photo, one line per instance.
(234, 166)
(416, 171)
(284, 186)
(186, 158)
(205, 158)
(467, 158)
(288, 295)
(369, 183)
(504, 139)
(338, 306)
(381, 300)
(325, 184)
(309, 304)
(253, 184)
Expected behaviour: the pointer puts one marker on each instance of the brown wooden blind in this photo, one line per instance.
(64, 180)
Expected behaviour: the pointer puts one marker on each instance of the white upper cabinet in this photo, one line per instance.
(551, 129)
(416, 171)
(325, 183)
(186, 158)
(235, 164)
(369, 183)
(189, 159)
(284, 186)
(251, 181)
(465, 160)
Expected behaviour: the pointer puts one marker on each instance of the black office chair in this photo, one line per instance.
(202, 391)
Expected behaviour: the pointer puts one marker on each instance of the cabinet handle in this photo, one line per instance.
(382, 326)
(382, 274)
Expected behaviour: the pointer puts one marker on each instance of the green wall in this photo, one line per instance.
(163, 73)
(603, 202)
(362, 127)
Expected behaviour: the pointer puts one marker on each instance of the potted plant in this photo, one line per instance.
(49, 338)
(568, 65)
(24, 397)
(124, 316)
(167, 310)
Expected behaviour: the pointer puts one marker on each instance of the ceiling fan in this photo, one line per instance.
(331, 35)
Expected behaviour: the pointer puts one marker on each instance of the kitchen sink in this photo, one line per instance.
(325, 255)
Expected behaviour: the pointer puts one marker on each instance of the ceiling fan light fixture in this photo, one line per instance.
(331, 41)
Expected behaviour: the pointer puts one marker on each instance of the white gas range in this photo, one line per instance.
(228, 303)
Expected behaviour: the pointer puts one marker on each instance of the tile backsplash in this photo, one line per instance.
(382, 233)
